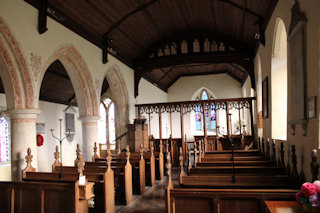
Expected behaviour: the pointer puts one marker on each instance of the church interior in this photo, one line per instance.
(214, 103)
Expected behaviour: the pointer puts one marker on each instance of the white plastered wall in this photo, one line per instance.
(304, 144)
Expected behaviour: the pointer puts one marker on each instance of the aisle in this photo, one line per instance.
(152, 201)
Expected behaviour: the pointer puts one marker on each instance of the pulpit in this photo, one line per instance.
(138, 134)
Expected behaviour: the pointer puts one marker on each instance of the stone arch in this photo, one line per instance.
(119, 91)
(81, 79)
(120, 97)
(17, 79)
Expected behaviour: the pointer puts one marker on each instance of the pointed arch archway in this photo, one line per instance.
(119, 94)
(19, 87)
(17, 78)
(82, 81)
(85, 92)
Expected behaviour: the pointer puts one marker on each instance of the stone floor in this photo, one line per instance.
(152, 201)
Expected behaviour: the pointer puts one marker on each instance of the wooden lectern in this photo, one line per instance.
(138, 134)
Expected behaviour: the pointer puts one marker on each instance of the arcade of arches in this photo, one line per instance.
(98, 100)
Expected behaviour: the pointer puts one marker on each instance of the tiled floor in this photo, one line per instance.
(152, 201)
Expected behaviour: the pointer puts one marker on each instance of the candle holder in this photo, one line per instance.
(60, 142)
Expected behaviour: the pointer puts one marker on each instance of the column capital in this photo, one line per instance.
(23, 113)
(89, 118)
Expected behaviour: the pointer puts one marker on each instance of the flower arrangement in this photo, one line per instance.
(309, 196)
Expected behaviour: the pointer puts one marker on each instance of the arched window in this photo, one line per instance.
(210, 114)
(279, 82)
(107, 130)
(4, 140)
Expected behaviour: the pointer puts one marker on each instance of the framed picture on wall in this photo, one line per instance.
(312, 103)
(265, 98)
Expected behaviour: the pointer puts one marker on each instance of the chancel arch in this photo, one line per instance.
(279, 79)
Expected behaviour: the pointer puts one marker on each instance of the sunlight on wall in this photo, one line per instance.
(279, 83)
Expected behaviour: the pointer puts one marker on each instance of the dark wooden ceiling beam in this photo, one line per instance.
(42, 17)
(141, 7)
(243, 8)
(156, 83)
(232, 75)
(243, 20)
(243, 71)
(71, 99)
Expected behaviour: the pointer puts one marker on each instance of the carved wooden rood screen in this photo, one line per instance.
(237, 110)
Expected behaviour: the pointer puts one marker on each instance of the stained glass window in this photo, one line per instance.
(210, 114)
(4, 140)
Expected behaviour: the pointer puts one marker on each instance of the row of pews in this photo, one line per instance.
(230, 181)
(100, 184)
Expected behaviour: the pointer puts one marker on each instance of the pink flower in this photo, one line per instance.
(317, 185)
(308, 189)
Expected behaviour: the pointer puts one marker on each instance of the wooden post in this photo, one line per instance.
(149, 121)
(239, 119)
(29, 167)
(268, 148)
(263, 152)
(227, 117)
(182, 173)
(161, 168)
(189, 160)
(200, 150)
(160, 123)
(95, 151)
(56, 157)
(251, 119)
(169, 185)
(128, 177)
(109, 187)
(182, 132)
(152, 166)
(204, 122)
(282, 155)
(142, 171)
(314, 165)
(294, 162)
(171, 123)
(274, 150)
(195, 155)
(139, 114)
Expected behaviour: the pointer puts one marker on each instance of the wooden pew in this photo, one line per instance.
(138, 168)
(224, 200)
(122, 177)
(253, 170)
(103, 182)
(41, 197)
(225, 196)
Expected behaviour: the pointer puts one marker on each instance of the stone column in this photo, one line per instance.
(89, 135)
(23, 136)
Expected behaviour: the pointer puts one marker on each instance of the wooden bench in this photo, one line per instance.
(224, 200)
(41, 197)
(225, 196)
(138, 168)
(102, 183)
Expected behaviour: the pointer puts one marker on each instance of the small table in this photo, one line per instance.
(283, 207)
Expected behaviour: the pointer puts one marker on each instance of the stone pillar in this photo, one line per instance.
(89, 135)
(23, 136)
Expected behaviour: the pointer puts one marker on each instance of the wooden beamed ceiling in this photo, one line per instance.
(164, 40)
